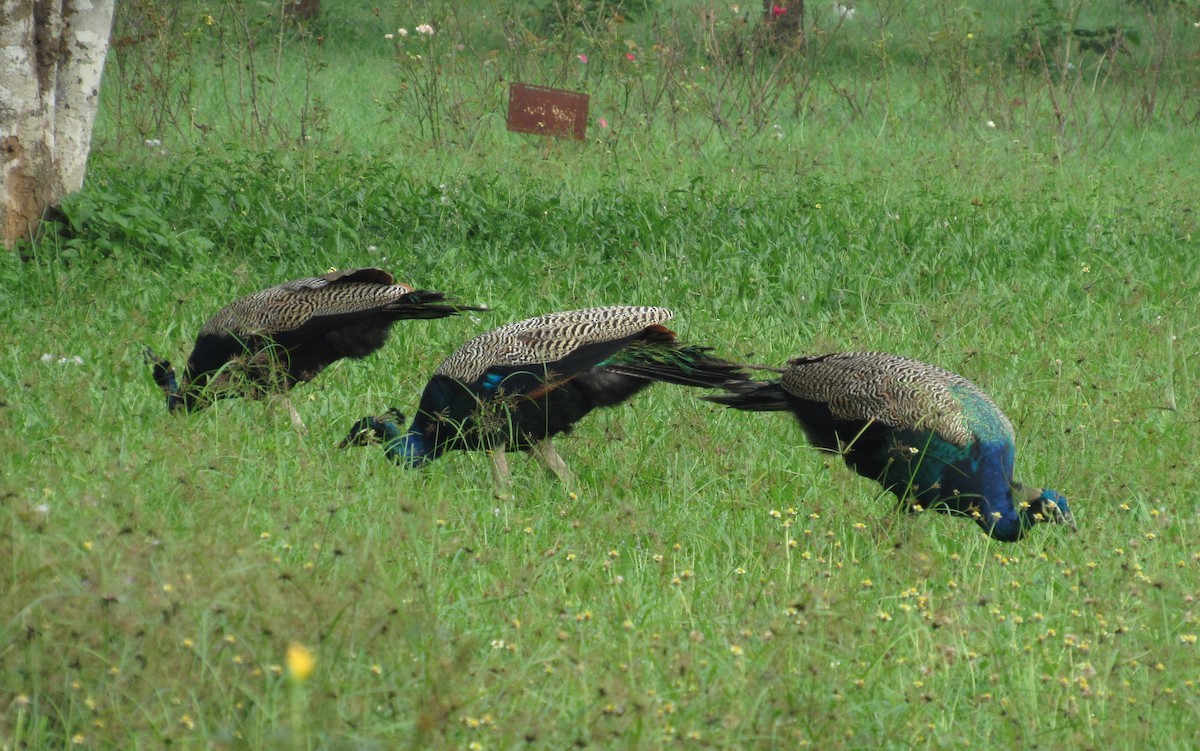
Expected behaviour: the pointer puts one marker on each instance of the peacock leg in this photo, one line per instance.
(544, 451)
(297, 424)
(500, 476)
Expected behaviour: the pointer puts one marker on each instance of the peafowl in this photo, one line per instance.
(928, 435)
(518, 386)
(269, 341)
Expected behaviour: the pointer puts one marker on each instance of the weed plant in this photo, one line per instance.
(713, 582)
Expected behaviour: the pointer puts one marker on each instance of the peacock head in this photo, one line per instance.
(407, 448)
(1045, 505)
(164, 377)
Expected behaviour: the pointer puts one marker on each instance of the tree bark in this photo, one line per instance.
(51, 58)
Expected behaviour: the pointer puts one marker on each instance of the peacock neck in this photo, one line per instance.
(170, 385)
(989, 478)
(1003, 517)
(164, 377)
(409, 448)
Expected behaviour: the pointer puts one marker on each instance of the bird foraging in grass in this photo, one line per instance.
(930, 436)
(518, 386)
(267, 342)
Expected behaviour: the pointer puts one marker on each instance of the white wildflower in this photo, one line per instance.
(991, 124)
(389, 36)
(63, 360)
(402, 32)
(425, 29)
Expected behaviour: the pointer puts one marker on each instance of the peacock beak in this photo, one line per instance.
(1063, 517)
(361, 434)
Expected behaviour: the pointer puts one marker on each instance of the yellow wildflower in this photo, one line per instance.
(300, 662)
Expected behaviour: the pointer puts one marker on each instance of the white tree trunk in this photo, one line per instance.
(51, 58)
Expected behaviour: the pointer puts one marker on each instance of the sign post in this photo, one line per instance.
(546, 111)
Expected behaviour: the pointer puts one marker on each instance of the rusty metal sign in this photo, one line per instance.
(546, 111)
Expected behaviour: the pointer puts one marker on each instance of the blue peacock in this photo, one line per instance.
(267, 342)
(928, 435)
(517, 386)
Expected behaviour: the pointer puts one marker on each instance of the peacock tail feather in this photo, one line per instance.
(680, 364)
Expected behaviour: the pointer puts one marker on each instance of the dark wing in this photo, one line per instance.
(563, 344)
(535, 379)
(329, 301)
(876, 387)
(340, 314)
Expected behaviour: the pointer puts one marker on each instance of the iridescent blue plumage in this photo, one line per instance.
(928, 435)
(408, 449)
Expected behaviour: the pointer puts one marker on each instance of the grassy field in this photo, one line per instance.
(714, 582)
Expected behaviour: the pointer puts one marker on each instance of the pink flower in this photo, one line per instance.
(777, 11)
(582, 59)
(629, 56)
(603, 123)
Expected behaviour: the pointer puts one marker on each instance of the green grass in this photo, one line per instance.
(715, 583)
